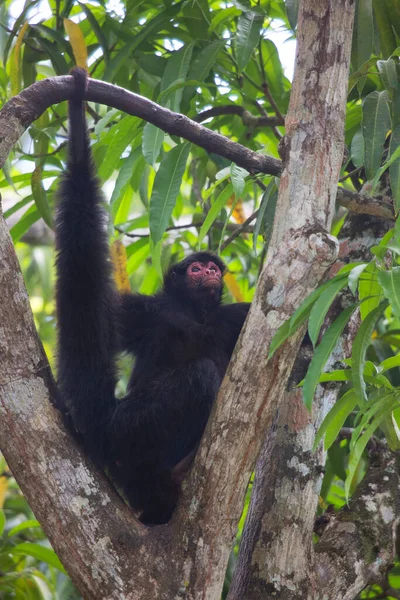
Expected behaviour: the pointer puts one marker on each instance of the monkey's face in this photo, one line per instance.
(204, 275)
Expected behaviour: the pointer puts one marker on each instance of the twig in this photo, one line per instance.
(240, 229)
(52, 153)
(230, 227)
(351, 174)
(234, 109)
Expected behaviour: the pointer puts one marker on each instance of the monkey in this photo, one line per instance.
(182, 339)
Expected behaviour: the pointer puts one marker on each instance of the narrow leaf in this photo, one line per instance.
(363, 34)
(359, 448)
(165, 189)
(387, 71)
(333, 422)
(153, 138)
(354, 276)
(271, 189)
(394, 168)
(247, 36)
(357, 149)
(40, 196)
(375, 125)
(176, 70)
(29, 218)
(322, 353)
(122, 182)
(390, 282)
(238, 176)
(214, 211)
(389, 363)
(15, 74)
(292, 9)
(23, 526)
(369, 290)
(123, 136)
(203, 64)
(321, 307)
(160, 20)
(101, 38)
(299, 316)
(41, 553)
(77, 42)
(2, 521)
(360, 345)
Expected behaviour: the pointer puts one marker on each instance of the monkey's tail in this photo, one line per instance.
(85, 293)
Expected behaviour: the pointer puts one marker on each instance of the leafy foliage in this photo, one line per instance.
(207, 60)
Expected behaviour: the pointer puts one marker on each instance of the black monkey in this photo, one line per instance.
(182, 339)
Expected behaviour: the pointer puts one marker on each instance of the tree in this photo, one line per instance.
(112, 555)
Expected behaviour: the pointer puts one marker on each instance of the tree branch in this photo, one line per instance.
(364, 205)
(23, 109)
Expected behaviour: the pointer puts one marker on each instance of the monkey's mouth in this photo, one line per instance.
(212, 281)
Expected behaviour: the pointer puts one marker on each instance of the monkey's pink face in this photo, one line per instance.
(206, 275)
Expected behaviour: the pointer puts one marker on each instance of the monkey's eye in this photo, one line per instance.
(195, 269)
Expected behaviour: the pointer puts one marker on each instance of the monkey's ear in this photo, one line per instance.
(173, 275)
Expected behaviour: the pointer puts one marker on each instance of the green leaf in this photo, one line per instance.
(214, 211)
(363, 34)
(390, 282)
(334, 420)
(357, 149)
(375, 125)
(387, 39)
(394, 168)
(201, 67)
(322, 353)
(22, 526)
(321, 307)
(354, 277)
(123, 136)
(292, 9)
(166, 188)
(227, 14)
(101, 38)
(39, 552)
(58, 61)
(300, 315)
(2, 521)
(40, 196)
(391, 432)
(387, 71)
(176, 70)
(157, 24)
(339, 375)
(15, 30)
(271, 193)
(238, 176)
(359, 447)
(369, 290)
(247, 36)
(123, 179)
(284, 331)
(389, 363)
(29, 218)
(360, 345)
(153, 139)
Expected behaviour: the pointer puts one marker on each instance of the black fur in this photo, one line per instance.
(182, 343)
